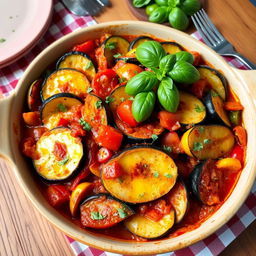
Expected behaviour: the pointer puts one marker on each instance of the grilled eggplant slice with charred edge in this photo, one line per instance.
(65, 80)
(33, 97)
(145, 174)
(79, 61)
(178, 197)
(115, 45)
(103, 211)
(172, 47)
(128, 60)
(215, 79)
(207, 142)
(215, 108)
(141, 133)
(59, 154)
(206, 182)
(191, 110)
(95, 111)
(139, 40)
(58, 106)
(147, 228)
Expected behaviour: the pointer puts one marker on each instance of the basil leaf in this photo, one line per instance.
(184, 72)
(185, 56)
(140, 3)
(143, 105)
(173, 3)
(168, 95)
(190, 6)
(159, 15)
(142, 82)
(162, 2)
(166, 64)
(150, 53)
(178, 19)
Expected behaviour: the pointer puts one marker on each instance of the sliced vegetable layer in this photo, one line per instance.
(59, 154)
(144, 174)
(172, 47)
(139, 40)
(103, 211)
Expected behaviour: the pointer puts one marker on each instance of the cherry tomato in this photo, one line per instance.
(63, 122)
(128, 70)
(169, 120)
(124, 112)
(238, 153)
(112, 171)
(172, 140)
(104, 155)
(109, 137)
(104, 82)
(57, 195)
(86, 47)
(241, 135)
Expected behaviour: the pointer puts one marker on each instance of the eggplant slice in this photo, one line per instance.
(141, 133)
(33, 96)
(59, 154)
(79, 61)
(207, 142)
(58, 106)
(215, 108)
(103, 211)
(139, 40)
(147, 173)
(172, 47)
(215, 79)
(191, 110)
(65, 80)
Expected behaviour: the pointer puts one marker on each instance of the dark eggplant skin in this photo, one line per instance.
(174, 44)
(132, 44)
(213, 114)
(128, 60)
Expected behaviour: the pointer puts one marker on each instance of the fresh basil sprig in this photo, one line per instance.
(185, 56)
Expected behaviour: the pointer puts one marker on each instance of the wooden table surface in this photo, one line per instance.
(23, 232)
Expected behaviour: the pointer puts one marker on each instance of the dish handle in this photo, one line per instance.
(5, 110)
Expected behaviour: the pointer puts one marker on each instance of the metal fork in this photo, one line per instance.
(85, 7)
(215, 39)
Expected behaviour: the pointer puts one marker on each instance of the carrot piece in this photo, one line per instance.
(32, 118)
(241, 135)
(233, 106)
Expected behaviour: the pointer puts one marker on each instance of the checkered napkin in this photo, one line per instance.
(63, 23)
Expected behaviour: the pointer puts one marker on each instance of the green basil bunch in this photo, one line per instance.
(163, 71)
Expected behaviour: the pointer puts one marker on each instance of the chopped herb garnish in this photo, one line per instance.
(2, 40)
(89, 64)
(64, 161)
(89, 90)
(131, 98)
(198, 146)
(109, 99)
(141, 194)
(201, 129)
(98, 104)
(156, 174)
(199, 109)
(117, 55)
(97, 216)
(167, 175)
(121, 80)
(61, 107)
(167, 149)
(122, 99)
(214, 94)
(86, 126)
(102, 119)
(207, 141)
(111, 46)
(122, 213)
(154, 137)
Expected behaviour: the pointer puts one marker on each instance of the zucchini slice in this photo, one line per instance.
(141, 133)
(33, 96)
(59, 154)
(147, 228)
(204, 142)
(172, 47)
(146, 174)
(206, 182)
(65, 80)
(191, 110)
(178, 197)
(58, 106)
(95, 110)
(215, 108)
(114, 45)
(79, 61)
(103, 211)
(215, 79)
(139, 40)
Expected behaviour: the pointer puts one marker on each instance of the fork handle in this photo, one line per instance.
(244, 60)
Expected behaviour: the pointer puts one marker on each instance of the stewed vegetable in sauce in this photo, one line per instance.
(133, 137)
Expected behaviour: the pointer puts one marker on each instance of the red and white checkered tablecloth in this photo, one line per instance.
(63, 23)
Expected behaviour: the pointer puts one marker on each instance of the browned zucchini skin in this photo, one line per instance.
(132, 44)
